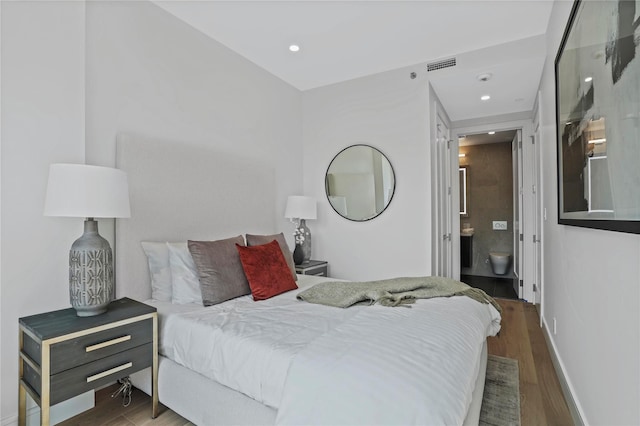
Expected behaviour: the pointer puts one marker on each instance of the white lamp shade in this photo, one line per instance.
(300, 207)
(79, 190)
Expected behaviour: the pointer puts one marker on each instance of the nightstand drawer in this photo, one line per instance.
(320, 271)
(314, 267)
(77, 380)
(74, 352)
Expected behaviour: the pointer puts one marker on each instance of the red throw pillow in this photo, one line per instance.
(266, 270)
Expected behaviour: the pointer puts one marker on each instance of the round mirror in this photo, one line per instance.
(360, 182)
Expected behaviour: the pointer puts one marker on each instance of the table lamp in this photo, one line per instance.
(78, 190)
(299, 208)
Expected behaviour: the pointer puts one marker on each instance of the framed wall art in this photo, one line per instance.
(598, 116)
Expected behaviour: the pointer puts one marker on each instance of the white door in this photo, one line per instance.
(517, 213)
(446, 165)
(436, 219)
(453, 206)
(537, 240)
(537, 203)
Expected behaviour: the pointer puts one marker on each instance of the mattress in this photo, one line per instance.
(318, 364)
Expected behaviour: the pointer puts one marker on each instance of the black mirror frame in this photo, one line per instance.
(326, 183)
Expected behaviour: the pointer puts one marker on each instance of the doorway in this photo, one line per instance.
(447, 244)
(490, 165)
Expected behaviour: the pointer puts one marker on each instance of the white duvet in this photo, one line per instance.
(323, 365)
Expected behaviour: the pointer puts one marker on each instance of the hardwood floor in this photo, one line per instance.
(110, 412)
(541, 399)
(521, 338)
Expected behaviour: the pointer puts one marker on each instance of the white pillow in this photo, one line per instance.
(184, 275)
(158, 259)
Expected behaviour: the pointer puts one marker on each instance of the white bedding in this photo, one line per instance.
(317, 364)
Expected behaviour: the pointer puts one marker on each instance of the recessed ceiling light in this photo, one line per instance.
(294, 48)
(492, 133)
(485, 97)
(484, 77)
(588, 79)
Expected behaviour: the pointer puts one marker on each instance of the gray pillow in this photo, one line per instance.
(219, 269)
(258, 240)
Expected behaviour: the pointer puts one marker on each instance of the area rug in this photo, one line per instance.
(501, 400)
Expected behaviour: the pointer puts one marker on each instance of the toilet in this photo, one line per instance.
(499, 262)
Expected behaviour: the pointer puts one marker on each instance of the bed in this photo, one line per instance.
(281, 360)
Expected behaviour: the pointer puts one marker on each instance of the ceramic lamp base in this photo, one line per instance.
(298, 255)
(306, 242)
(91, 287)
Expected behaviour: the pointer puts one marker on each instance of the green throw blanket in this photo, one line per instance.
(391, 292)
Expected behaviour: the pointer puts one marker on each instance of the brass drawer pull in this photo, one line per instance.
(106, 373)
(108, 343)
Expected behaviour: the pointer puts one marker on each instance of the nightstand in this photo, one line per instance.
(63, 355)
(313, 267)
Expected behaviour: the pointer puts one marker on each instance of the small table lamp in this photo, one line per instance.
(78, 190)
(299, 208)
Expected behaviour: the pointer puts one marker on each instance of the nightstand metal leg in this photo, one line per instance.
(22, 394)
(45, 393)
(22, 406)
(154, 368)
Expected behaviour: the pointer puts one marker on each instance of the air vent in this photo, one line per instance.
(446, 63)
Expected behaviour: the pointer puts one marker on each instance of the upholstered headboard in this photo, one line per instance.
(180, 191)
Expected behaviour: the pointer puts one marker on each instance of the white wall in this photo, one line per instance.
(42, 123)
(109, 67)
(151, 74)
(389, 111)
(591, 286)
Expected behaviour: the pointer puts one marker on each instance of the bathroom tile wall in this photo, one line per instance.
(490, 197)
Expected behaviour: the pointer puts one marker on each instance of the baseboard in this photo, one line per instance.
(59, 412)
(576, 411)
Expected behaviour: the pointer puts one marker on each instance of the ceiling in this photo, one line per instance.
(485, 138)
(343, 40)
